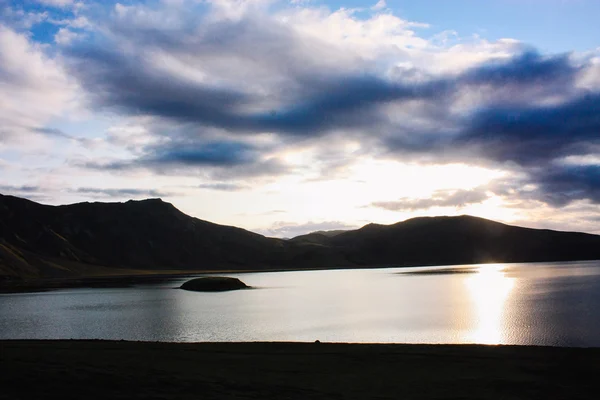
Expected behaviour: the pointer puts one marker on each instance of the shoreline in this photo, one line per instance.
(125, 280)
(291, 370)
(133, 277)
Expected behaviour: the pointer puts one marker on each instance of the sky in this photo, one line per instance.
(286, 117)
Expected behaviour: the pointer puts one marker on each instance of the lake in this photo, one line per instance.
(555, 304)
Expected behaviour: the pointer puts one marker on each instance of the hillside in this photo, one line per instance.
(459, 240)
(45, 241)
(78, 240)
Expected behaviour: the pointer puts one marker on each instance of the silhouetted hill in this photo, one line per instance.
(96, 238)
(460, 240)
(39, 240)
(317, 237)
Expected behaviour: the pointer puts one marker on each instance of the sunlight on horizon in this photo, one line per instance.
(349, 195)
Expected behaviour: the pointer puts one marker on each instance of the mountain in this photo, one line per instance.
(458, 240)
(153, 236)
(53, 241)
(317, 237)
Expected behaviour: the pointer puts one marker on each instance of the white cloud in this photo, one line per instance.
(20, 19)
(65, 36)
(236, 9)
(380, 5)
(79, 22)
(35, 88)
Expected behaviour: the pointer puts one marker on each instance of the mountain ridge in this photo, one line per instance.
(41, 241)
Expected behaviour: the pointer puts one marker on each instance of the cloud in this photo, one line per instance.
(380, 5)
(36, 192)
(214, 153)
(122, 192)
(20, 188)
(31, 192)
(123, 83)
(560, 186)
(173, 154)
(19, 19)
(522, 127)
(526, 69)
(35, 87)
(529, 135)
(159, 65)
(441, 198)
(535, 140)
(162, 71)
(228, 90)
(65, 36)
(226, 187)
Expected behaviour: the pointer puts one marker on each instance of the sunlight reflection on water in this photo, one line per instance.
(489, 290)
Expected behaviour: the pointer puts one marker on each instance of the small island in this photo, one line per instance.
(214, 284)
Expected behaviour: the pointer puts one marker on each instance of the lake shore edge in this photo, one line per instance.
(108, 369)
(123, 280)
(128, 278)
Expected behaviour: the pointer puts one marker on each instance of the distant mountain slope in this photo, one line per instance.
(460, 240)
(317, 237)
(40, 240)
(96, 238)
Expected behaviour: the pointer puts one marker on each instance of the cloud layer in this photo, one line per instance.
(237, 92)
(521, 109)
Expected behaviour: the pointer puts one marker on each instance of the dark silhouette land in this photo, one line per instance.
(51, 246)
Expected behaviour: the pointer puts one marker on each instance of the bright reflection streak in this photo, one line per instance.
(489, 290)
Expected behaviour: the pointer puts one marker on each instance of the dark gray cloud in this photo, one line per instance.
(128, 84)
(223, 160)
(188, 153)
(534, 141)
(223, 153)
(20, 188)
(263, 76)
(443, 198)
(346, 103)
(530, 140)
(125, 82)
(307, 101)
(560, 186)
(533, 135)
(508, 116)
(526, 69)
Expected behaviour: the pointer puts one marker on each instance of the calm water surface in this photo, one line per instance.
(546, 304)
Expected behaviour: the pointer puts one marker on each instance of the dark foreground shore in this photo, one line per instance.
(133, 370)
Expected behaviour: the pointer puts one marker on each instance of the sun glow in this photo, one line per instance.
(489, 290)
(347, 193)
